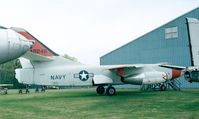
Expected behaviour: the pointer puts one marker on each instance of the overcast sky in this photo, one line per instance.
(88, 29)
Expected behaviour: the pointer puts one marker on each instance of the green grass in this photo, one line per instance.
(85, 103)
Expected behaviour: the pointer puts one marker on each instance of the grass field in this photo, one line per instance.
(84, 103)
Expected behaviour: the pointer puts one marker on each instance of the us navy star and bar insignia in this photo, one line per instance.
(83, 75)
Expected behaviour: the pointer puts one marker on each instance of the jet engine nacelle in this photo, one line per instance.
(146, 78)
(12, 45)
(192, 75)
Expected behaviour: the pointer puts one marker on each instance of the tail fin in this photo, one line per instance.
(38, 47)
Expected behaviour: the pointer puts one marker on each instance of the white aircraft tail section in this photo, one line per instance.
(39, 59)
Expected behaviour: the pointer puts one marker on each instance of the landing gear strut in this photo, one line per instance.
(26, 90)
(20, 91)
(110, 91)
(43, 89)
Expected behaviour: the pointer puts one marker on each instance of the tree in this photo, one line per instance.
(7, 73)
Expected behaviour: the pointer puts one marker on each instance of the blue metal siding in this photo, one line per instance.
(154, 48)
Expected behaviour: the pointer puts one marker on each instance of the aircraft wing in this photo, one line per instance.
(134, 66)
(120, 70)
(36, 57)
(126, 70)
(129, 70)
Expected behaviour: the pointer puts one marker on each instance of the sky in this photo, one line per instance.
(89, 29)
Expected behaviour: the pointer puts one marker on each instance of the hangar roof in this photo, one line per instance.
(148, 33)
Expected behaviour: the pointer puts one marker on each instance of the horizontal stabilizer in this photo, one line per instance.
(36, 57)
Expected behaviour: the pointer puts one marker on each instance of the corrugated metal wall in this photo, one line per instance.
(154, 48)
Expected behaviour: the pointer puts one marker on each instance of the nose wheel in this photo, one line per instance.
(110, 91)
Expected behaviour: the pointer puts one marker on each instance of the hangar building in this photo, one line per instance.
(170, 43)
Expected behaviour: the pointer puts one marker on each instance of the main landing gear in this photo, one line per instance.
(109, 91)
(26, 90)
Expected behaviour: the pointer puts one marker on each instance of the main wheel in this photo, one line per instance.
(100, 90)
(110, 91)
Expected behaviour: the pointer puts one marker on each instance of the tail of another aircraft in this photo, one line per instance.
(38, 47)
(40, 53)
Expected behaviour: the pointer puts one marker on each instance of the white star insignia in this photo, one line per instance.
(83, 75)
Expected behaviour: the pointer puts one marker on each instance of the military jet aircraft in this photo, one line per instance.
(42, 66)
(12, 45)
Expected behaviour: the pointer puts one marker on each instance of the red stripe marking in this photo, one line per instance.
(176, 73)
